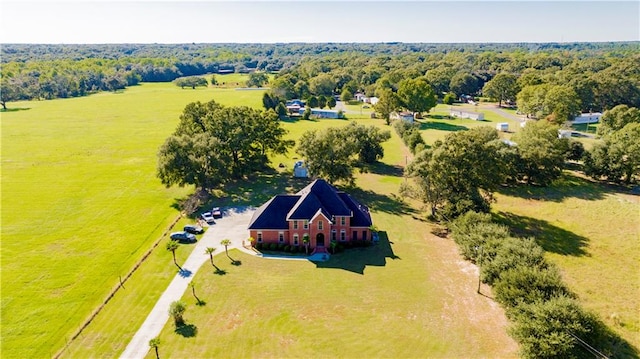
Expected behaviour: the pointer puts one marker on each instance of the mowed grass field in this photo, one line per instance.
(81, 204)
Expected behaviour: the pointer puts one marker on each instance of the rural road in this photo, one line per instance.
(233, 226)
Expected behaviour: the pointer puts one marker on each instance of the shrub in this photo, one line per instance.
(281, 246)
(258, 245)
(499, 256)
(287, 248)
(479, 235)
(273, 246)
(543, 329)
(524, 284)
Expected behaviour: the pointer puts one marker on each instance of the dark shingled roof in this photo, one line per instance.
(273, 214)
(361, 216)
(317, 196)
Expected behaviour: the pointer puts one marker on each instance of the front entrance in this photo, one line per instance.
(320, 240)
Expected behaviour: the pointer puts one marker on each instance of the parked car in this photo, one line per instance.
(193, 228)
(183, 237)
(216, 212)
(208, 217)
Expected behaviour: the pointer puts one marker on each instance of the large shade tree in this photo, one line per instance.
(417, 95)
(214, 144)
(503, 87)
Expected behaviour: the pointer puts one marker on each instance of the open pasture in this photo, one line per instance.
(81, 204)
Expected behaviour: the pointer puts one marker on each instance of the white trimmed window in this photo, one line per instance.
(295, 224)
(280, 237)
(343, 221)
(333, 234)
(259, 237)
(295, 239)
(305, 225)
(343, 235)
(319, 225)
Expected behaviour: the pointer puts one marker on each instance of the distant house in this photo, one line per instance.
(587, 118)
(406, 116)
(478, 116)
(295, 102)
(502, 126)
(300, 170)
(564, 133)
(320, 211)
(320, 113)
(359, 96)
(372, 100)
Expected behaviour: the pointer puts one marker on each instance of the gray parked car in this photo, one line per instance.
(183, 237)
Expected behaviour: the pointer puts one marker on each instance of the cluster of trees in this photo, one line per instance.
(462, 172)
(334, 153)
(548, 321)
(214, 144)
(616, 157)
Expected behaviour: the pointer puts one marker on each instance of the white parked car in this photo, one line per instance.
(208, 217)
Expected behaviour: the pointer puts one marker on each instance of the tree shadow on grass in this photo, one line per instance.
(567, 186)
(187, 330)
(380, 202)
(201, 303)
(385, 169)
(441, 126)
(14, 109)
(357, 259)
(551, 238)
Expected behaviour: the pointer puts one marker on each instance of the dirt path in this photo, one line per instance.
(233, 226)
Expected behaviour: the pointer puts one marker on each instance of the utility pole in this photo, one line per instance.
(479, 265)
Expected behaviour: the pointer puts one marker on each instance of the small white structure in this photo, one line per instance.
(478, 116)
(405, 116)
(502, 127)
(359, 96)
(372, 100)
(587, 118)
(300, 170)
(564, 133)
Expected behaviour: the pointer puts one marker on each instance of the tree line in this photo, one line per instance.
(601, 75)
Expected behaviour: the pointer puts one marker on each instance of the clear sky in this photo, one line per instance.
(91, 21)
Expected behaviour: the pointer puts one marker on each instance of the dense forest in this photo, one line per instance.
(594, 76)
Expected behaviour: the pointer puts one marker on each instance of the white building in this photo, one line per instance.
(587, 118)
(478, 116)
(502, 126)
(405, 116)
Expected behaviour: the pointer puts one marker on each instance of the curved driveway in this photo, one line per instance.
(233, 226)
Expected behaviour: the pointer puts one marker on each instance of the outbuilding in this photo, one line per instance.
(502, 127)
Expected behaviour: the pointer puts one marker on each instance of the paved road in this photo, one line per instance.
(233, 225)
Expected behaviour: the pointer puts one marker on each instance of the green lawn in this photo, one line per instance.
(81, 203)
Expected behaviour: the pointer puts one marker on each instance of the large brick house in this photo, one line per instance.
(318, 210)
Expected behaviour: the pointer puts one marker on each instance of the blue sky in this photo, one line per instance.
(90, 21)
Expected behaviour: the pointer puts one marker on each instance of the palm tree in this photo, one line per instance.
(176, 310)
(193, 290)
(210, 251)
(172, 245)
(226, 243)
(155, 343)
(305, 240)
(251, 240)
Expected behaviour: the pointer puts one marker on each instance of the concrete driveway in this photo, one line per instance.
(233, 226)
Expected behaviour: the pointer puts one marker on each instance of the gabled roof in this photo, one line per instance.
(318, 197)
(273, 214)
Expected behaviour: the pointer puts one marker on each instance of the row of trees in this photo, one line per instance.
(548, 321)
(214, 144)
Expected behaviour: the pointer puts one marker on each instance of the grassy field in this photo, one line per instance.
(592, 232)
(81, 204)
(410, 296)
